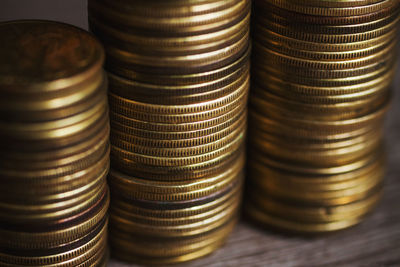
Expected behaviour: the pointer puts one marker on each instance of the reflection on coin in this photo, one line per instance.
(321, 74)
(179, 85)
(54, 144)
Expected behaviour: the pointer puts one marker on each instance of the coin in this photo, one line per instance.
(321, 85)
(341, 11)
(179, 82)
(54, 155)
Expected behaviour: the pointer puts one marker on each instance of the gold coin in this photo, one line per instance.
(336, 29)
(239, 99)
(55, 175)
(174, 231)
(263, 100)
(268, 220)
(72, 162)
(335, 11)
(184, 209)
(53, 187)
(378, 92)
(36, 155)
(170, 247)
(81, 247)
(130, 257)
(119, 104)
(299, 143)
(37, 195)
(262, 173)
(328, 127)
(329, 80)
(182, 139)
(130, 88)
(316, 157)
(38, 93)
(53, 211)
(48, 235)
(277, 128)
(169, 131)
(57, 129)
(324, 198)
(279, 59)
(278, 41)
(264, 71)
(178, 173)
(100, 258)
(172, 8)
(334, 3)
(227, 198)
(175, 128)
(313, 170)
(163, 45)
(319, 69)
(75, 55)
(183, 79)
(331, 38)
(201, 62)
(54, 151)
(179, 94)
(27, 109)
(314, 94)
(207, 187)
(180, 148)
(28, 146)
(312, 214)
(324, 20)
(173, 162)
(174, 220)
(222, 18)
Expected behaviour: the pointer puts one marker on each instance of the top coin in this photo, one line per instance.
(333, 8)
(39, 56)
(333, 3)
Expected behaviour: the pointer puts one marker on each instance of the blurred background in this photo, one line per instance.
(68, 11)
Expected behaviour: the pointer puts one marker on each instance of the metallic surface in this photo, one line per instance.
(321, 74)
(179, 83)
(54, 146)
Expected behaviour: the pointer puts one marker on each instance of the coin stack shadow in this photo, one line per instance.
(321, 74)
(179, 79)
(54, 150)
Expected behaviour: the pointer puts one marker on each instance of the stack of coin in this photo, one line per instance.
(321, 75)
(54, 151)
(179, 78)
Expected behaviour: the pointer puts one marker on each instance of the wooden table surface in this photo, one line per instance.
(375, 242)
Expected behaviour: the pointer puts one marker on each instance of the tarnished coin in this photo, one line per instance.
(54, 131)
(321, 85)
(179, 77)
